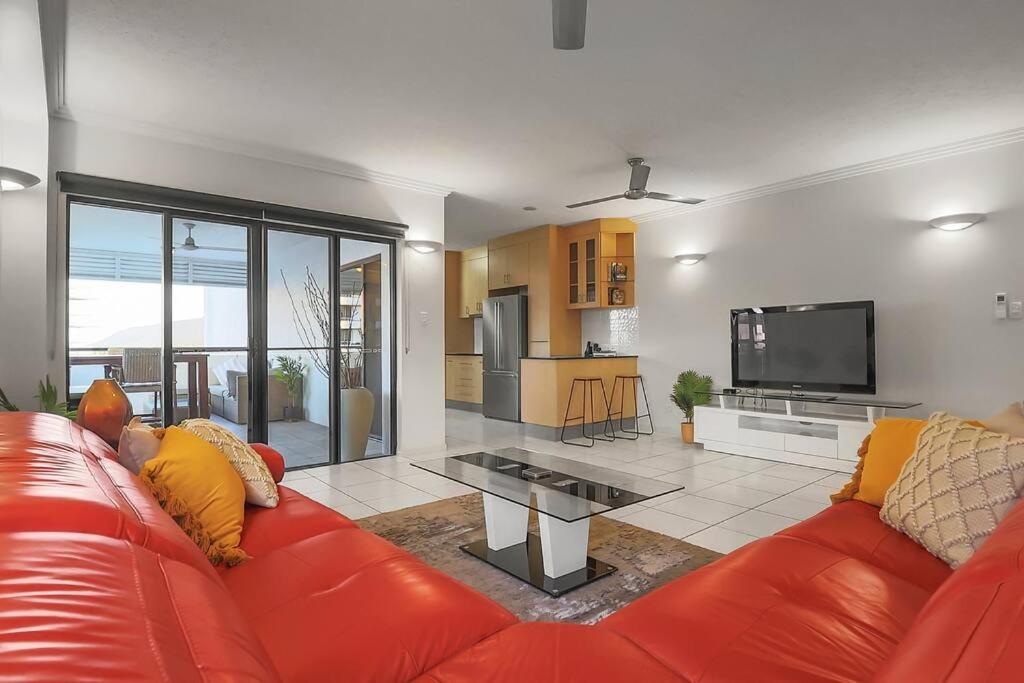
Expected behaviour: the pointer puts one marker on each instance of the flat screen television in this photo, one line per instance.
(812, 347)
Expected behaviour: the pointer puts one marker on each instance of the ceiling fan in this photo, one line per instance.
(190, 243)
(638, 188)
(569, 23)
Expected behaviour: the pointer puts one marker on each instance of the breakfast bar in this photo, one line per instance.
(547, 381)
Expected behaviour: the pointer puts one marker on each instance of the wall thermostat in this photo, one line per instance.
(1001, 306)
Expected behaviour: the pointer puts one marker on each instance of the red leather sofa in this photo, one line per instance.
(98, 584)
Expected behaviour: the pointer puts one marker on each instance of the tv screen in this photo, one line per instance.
(815, 347)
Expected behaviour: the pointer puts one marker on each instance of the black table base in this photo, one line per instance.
(524, 562)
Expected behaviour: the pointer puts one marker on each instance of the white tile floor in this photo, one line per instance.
(728, 500)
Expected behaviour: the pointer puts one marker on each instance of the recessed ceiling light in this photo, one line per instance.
(12, 179)
(423, 246)
(958, 221)
(690, 259)
(529, 208)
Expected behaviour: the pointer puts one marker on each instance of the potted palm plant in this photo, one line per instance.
(289, 372)
(690, 390)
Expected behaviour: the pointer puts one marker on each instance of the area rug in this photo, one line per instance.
(646, 560)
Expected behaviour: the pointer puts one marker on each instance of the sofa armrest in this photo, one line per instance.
(273, 459)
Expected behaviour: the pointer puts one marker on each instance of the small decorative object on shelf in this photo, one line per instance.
(616, 296)
(104, 410)
(617, 272)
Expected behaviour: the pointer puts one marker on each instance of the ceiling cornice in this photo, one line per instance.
(932, 153)
(256, 151)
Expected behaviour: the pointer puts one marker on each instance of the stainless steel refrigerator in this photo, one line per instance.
(505, 342)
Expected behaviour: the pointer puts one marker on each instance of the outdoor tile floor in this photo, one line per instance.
(728, 501)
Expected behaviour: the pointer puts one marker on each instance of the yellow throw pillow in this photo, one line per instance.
(260, 487)
(893, 441)
(196, 485)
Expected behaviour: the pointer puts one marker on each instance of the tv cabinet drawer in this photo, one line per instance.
(812, 445)
(764, 439)
(711, 425)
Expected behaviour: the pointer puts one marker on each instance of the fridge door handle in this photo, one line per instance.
(498, 333)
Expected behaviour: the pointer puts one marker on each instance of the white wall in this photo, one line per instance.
(23, 236)
(99, 151)
(860, 238)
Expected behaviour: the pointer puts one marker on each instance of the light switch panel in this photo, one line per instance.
(1016, 309)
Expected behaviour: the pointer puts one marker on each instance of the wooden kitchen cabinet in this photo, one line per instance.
(464, 379)
(508, 266)
(473, 288)
(595, 256)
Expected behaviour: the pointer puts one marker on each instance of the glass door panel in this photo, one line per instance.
(210, 322)
(365, 341)
(299, 343)
(115, 303)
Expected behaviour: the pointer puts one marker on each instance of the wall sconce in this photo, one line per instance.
(424, 246)
(690, 259)
(12, 179)
(959, 221)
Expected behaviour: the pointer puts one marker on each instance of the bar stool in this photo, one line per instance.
(635, 433)
(588, 387)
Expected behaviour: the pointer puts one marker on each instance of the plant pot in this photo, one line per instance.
(686, 429)
(292, 413)
(356, 418)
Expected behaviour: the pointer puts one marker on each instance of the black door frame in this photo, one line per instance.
(272, 217)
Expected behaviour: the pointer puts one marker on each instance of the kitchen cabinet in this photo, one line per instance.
(473, 282)
(464, 379)
(508, 266)
(598, 259)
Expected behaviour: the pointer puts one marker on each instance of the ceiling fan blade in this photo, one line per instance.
(203, 247)
(594, 201)
(638, 177)
(569, 23)
(673, 198)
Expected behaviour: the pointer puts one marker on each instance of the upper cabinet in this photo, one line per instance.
(508, 266)
(599, 260)
(474, 285)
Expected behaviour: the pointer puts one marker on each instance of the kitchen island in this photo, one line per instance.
(546, 381)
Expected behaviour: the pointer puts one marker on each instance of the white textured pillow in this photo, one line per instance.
(958, 485)
(260, 488)
(138, 443)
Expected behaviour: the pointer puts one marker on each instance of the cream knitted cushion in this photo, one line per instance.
(958, 485)
(260, 488)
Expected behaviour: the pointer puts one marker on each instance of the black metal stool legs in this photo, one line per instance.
(624, 432)
(593, 437)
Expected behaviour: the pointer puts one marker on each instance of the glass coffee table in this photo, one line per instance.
(565, 493)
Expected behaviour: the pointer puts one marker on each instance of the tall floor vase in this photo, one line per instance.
(104, 410)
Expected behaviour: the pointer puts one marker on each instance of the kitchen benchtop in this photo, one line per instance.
(463, 353)
(581, 357)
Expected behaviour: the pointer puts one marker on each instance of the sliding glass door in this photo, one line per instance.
(283, 334)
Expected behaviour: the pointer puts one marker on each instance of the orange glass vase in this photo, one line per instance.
(104, 410)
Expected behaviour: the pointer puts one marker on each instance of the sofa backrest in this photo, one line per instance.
(57, 476)
(81, 607)
(972, 628)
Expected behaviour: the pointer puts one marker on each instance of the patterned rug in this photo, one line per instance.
(645, 559)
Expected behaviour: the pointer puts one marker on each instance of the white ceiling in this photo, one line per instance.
(718, 95)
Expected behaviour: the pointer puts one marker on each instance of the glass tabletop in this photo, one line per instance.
(568, 490)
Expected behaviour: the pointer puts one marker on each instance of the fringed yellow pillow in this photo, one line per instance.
(260, 487)
(197, 486)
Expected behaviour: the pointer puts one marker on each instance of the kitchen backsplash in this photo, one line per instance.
(612, 328)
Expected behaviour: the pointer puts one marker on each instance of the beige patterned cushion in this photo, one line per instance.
(260, 488)
(958, 485)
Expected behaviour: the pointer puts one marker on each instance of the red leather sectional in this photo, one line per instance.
(97, 583)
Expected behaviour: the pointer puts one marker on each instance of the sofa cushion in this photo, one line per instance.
(853, 528)
(544, 651)
(972, 629)
(54, 476)
(347, 603)
(260, 487)
(295, 518)
(957, 487)
(781, 608)
(84, 607)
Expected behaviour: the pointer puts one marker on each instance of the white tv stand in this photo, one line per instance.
(789, 433)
